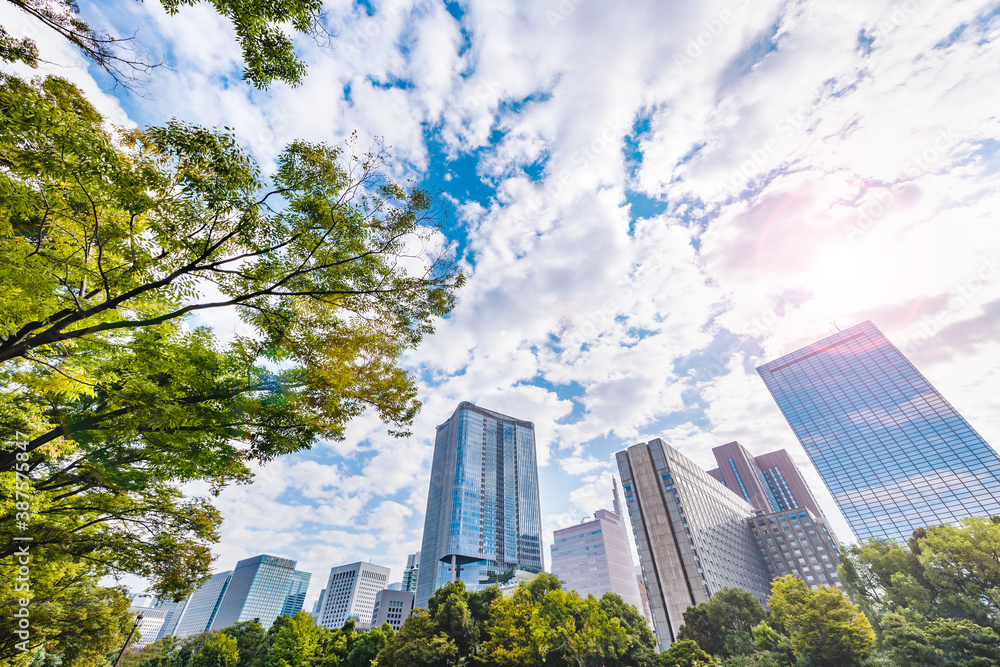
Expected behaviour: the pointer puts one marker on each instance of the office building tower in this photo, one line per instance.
(593, 557)
(172, 610)
(295, 596)
(483, 517)
(260, 588)
(350, 593)
(894, 453)
(798, 543)
(392, 607)
(411, 571)
(149, 625)
(770, 482)
(199, 610)
(318, 607)
(691, 532)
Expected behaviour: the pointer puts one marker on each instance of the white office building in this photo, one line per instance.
(350, 593)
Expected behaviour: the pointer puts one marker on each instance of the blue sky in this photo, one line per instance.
(650, 199)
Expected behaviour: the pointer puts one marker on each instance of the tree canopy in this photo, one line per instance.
(942, 572)
(113, 396)
(729, 610)
(261, 27)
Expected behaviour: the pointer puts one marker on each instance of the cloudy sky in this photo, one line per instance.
(651, 198)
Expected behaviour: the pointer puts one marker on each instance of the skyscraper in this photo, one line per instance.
(483, 516)
(199, 610)
(410, 573)
(593, 557)
(350, 593)
(260, 588)
(893, 452)
(770, 482)
(691, 532)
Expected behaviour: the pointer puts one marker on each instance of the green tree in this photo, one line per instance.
(261, 29)
(771, 648)
(685, 653)
(913, 640)
(943, 571)
(107, 246)
(822, 623)
(295, 642)
(709, 623)
(366, 648)
(74, 618)
(449, 608)
(641, 649)
(251, 641)
(219, 650)
(419, 642)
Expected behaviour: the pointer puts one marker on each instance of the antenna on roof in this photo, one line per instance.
(834, 323)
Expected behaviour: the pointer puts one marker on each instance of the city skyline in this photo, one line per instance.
(641, 226)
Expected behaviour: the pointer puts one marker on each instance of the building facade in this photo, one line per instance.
(149, 625)
(483, 516)
(770, 482)
(199, 610)
(350, 593)
(894, 453)
(691, 532)
(411, 572)
(392, 607)
(260, 587)
(798, 543)
(593, 558)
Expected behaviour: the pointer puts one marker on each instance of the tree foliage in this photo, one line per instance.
(686, 653)
(111, 243)
(295, 642)
(218, 650)
(822, 623)
(914, 640)
(261, 28)
(710, 623)
(943, 572)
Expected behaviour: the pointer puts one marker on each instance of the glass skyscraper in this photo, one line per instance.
(894, 453)
(483, 516)
(260, 587)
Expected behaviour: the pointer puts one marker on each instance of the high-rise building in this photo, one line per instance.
(172, 610)
(200, 609)
(770, 482)
(318, 607)
(483, 517)
(149, 625)
(350, 593)
(894, 453)
(392, 607)
(798, 543)
(593, 557)
(691, 532)
(295, 596)
(410, 573)
(260, 587)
